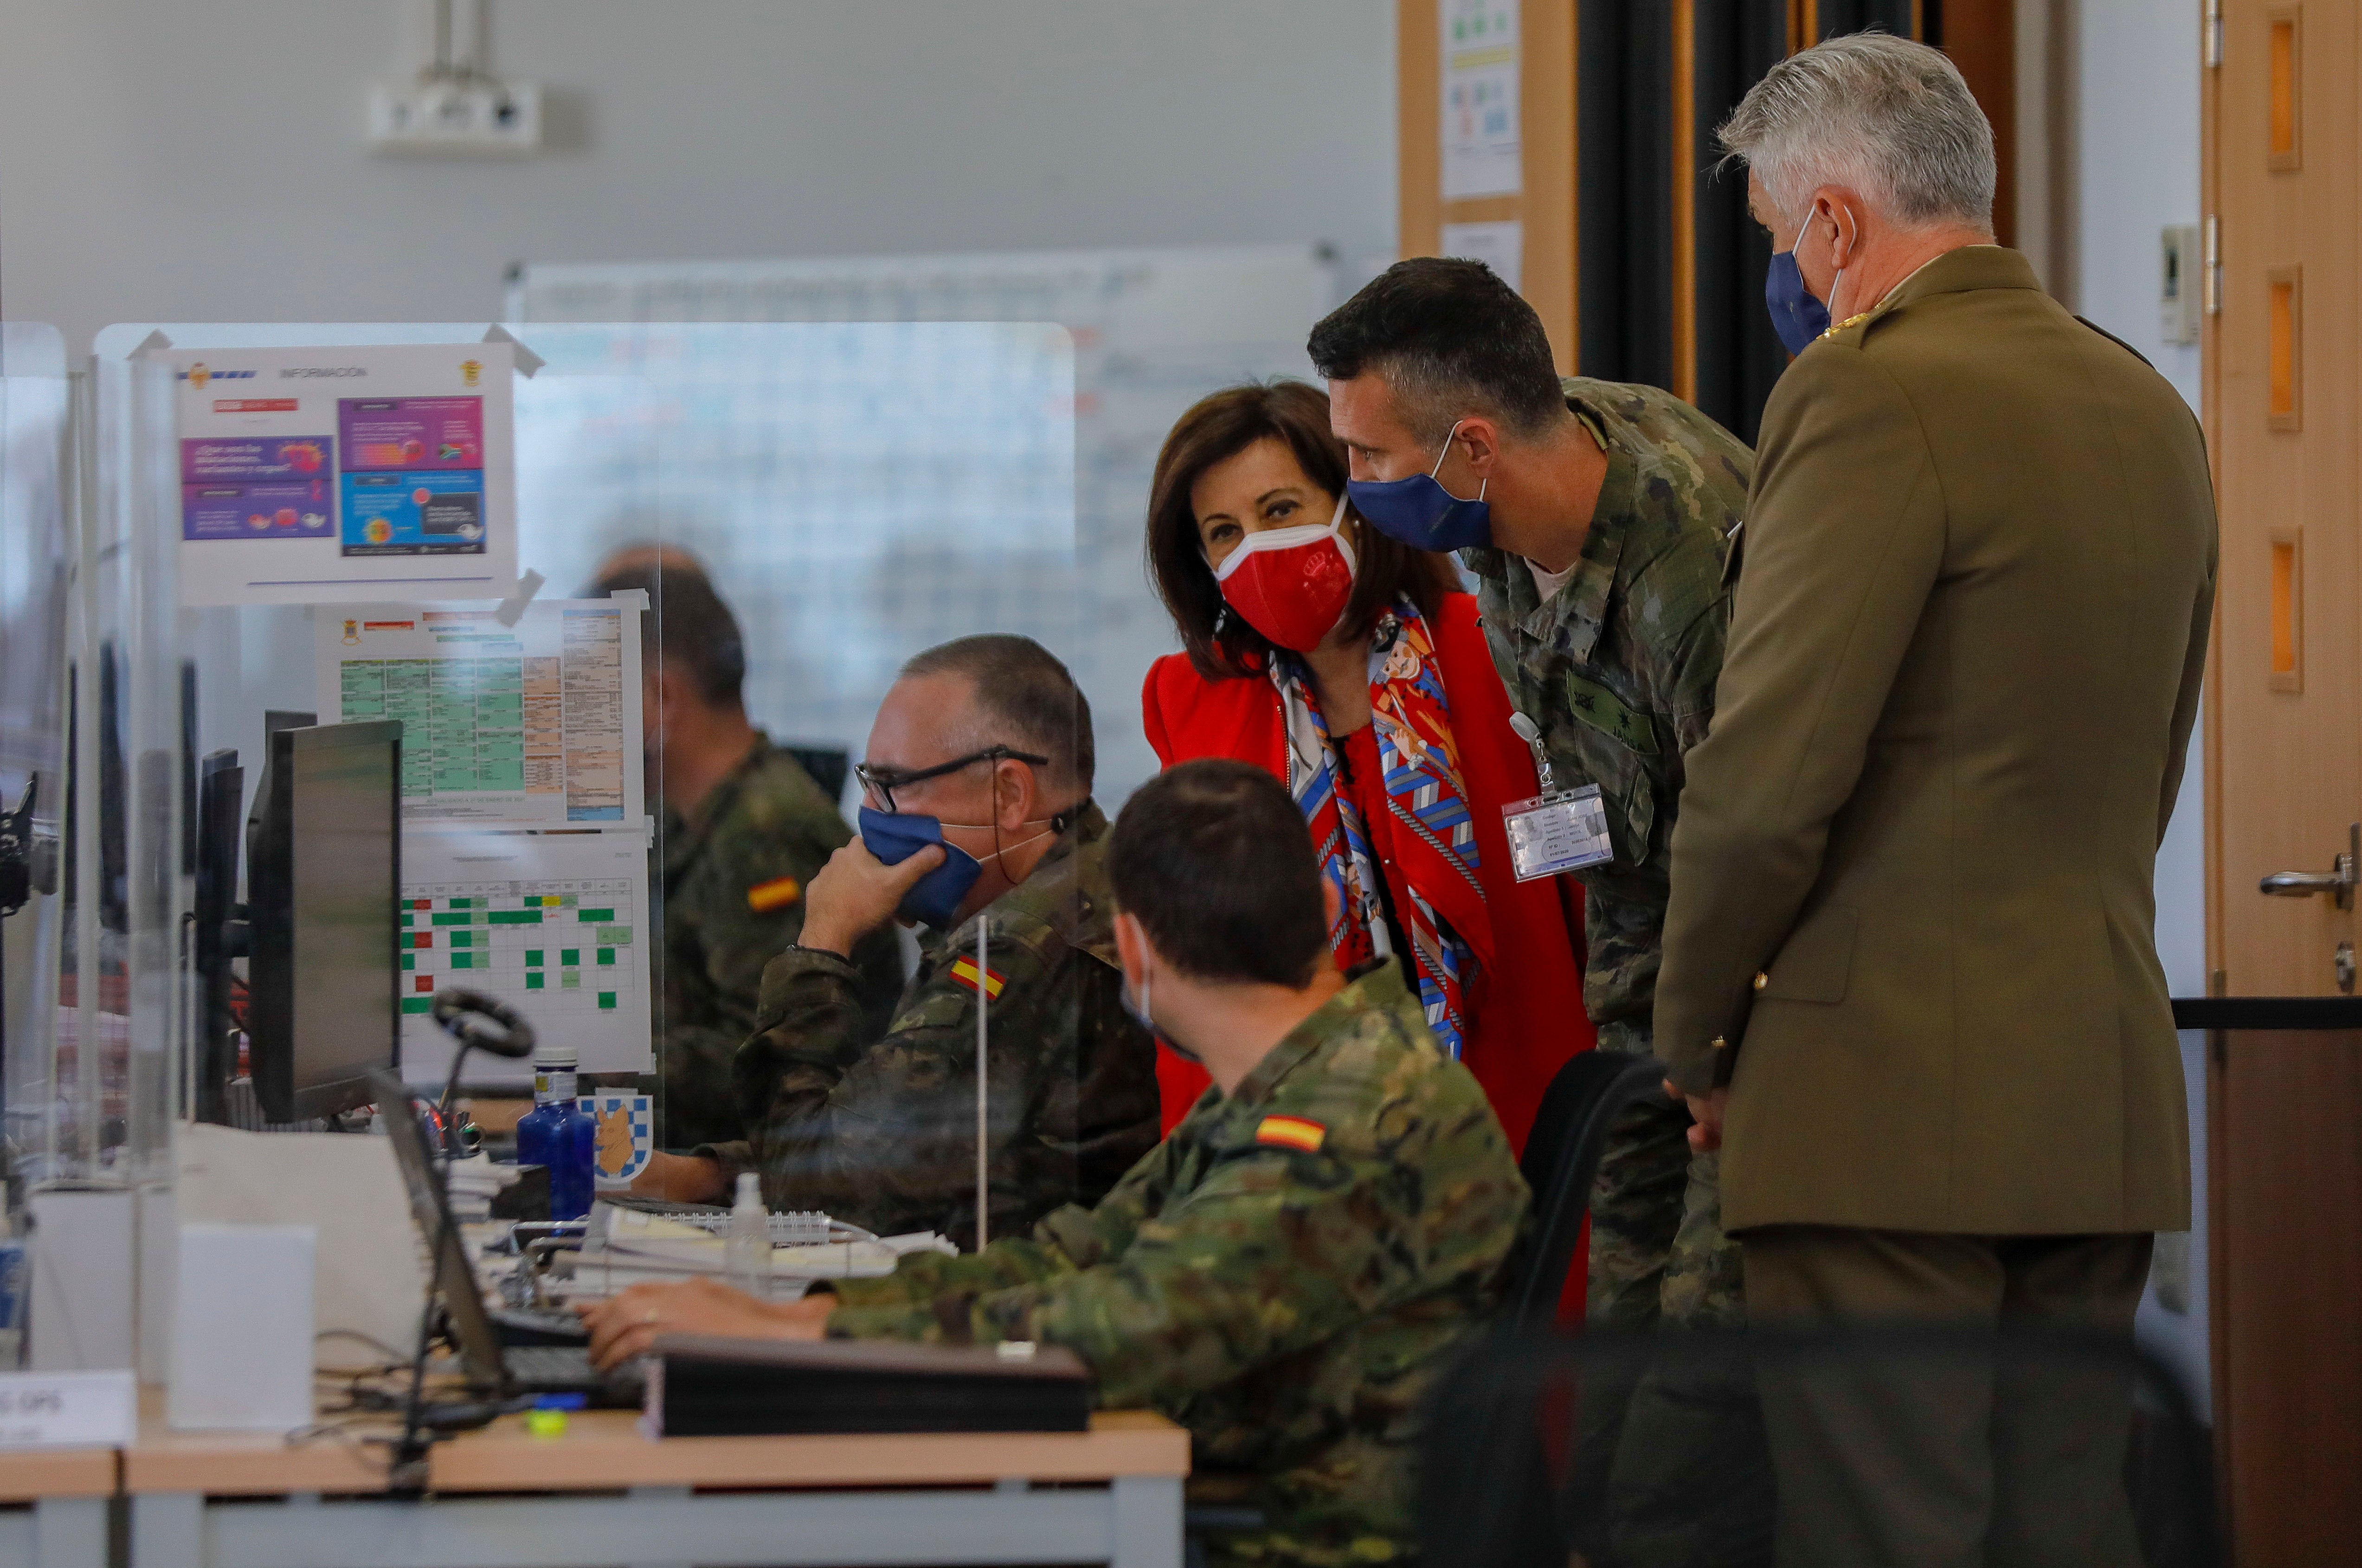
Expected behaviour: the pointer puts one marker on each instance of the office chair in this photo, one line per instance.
(1562, 1153)
(1498, 1451)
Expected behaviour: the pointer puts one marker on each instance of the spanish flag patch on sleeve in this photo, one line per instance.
(776, 894)
(1291, 1132)
(964, 971)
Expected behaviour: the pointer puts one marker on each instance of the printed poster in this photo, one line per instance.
(1500, 245)
(330, 475)
(553, 922)
(1482, 153)
(535, 725)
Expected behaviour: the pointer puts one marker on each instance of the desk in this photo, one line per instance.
(602, 1493)
(54, 1506)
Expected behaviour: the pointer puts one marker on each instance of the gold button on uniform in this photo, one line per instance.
(1720, 1043)
(1761, 980)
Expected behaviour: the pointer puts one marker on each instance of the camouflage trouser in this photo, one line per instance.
(1670, 1468)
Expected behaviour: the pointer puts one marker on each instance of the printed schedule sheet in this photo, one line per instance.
(536, 724)
(524, 840)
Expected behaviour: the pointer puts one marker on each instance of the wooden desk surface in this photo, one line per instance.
(604, 1450)
(56, 1472)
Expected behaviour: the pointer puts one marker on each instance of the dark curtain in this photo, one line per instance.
(1626, 191)
(1738, 354)
(1624, 212)
(1838, 17)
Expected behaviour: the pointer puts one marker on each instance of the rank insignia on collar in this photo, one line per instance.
(776, 894)
(964, 971)
(1291, 1132)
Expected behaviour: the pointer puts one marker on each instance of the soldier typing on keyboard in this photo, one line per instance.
(1340, 1164)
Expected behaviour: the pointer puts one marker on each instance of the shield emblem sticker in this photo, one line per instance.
(626, 1127)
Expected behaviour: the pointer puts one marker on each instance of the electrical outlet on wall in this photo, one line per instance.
(465, 117)
(458, 105)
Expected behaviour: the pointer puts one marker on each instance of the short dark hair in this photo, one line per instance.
(1214, 863)
(1213, 858)
(687, 627)
(1026, 698)
(1218, 428)
(1450, 339)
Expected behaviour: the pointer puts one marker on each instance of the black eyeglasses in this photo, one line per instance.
(883, 781)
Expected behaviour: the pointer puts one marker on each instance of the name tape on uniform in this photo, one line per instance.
(1562, 832)
(68, 1409)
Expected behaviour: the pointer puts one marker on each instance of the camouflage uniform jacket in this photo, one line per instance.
(1618, 670)
(766, 825)
(878, 1127)
(1286, 1275)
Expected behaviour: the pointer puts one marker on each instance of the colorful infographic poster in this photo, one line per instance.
(250, 488)
(414, 481)
(323, 476)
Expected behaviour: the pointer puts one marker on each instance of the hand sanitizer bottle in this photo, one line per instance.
(746, 1252)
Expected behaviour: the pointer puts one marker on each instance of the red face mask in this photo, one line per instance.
(1291, 584)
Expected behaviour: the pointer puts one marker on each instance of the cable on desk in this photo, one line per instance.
(394, 1357)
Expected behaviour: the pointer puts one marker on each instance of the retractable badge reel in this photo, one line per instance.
(1558, 830)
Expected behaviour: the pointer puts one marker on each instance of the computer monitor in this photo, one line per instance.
(220, 936)
(323, 877)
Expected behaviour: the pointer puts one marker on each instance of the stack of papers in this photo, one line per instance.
(473, 1182)
(636, 1247)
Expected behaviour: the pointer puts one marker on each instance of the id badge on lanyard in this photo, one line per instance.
(1558, 830)
(1565, 831)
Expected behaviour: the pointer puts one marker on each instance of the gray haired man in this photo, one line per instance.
(1909, 982)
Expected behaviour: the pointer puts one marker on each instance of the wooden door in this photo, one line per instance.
(2283, 383)
(2285, 1240)
(2285, 706)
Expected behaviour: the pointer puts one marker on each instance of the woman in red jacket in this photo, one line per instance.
(1353, 668)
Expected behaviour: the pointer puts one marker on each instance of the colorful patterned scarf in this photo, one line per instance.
(1437, 899)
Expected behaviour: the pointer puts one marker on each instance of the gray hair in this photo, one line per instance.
(1024, 698)
(1889, 117)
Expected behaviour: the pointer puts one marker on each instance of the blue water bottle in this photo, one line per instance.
(556, 1133)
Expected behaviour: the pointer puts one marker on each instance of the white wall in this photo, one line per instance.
(202, 159)
(2134, 97)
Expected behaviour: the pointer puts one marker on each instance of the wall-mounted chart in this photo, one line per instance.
(536, 723)
(554, 923)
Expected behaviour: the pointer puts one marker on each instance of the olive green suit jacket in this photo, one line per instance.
(1912, 907)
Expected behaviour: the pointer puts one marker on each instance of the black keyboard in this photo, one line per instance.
(567, 1369)
(538, 1326)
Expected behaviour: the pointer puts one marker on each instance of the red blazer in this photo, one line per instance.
(1531, 1017)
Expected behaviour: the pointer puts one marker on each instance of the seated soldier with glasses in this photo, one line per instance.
(977, 812)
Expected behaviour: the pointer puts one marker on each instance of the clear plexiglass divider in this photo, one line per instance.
(577, 838)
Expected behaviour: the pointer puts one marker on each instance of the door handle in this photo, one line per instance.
(2337, 881)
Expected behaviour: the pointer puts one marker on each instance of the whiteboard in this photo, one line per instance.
(1153, 331)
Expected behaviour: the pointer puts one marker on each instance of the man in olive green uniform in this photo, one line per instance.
(1600, 521)
(1909, 951)
(1342, 1165)
(877, 1124)
(742, 829)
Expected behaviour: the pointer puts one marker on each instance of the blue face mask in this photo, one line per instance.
(1138, 1010)
(1796, 315)
(1421, 513)
(895, 836)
